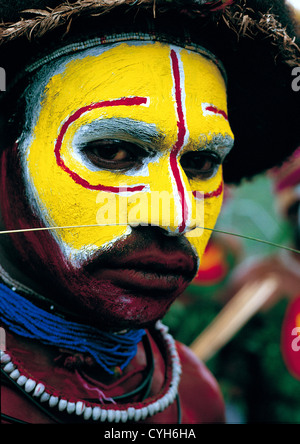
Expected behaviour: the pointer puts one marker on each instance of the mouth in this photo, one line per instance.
(148, 272)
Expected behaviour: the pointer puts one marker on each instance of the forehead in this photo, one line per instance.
(127, 70)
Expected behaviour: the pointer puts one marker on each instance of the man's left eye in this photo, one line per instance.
(114, 154)
(200, 165)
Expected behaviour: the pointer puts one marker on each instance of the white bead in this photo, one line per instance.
(163, 328)
(103, 415)
(176, 363)
(80, 406)
(87, 413)
(131, 412)
(21, 380)
(45, 397)
(29, 385)
(96, 413)
(138, 414)
(71, 407)
(169, 398)
(15, 374)
(5, 358)
(158, 406)
(164, 402)
(124, 416)
(117, 415)
(176, 380)
(151, 409)
(8, 368)
(62, 405)
(53, 401)
(110, 415)
(40, 388)
(169, 339)
(144, 412)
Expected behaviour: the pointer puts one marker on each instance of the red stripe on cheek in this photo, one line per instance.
(126, 101)
(215, 193)
(180, 141)
(215, 110)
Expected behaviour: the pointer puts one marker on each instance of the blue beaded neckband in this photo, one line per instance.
(109, 350)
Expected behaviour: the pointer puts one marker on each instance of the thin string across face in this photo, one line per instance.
(215, 230)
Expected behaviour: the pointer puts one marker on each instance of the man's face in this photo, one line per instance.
(127, 143)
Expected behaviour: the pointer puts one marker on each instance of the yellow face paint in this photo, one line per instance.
(166, 101)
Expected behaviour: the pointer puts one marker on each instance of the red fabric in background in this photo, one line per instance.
(290, 338)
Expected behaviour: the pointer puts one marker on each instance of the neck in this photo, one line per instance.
(33, 292)
(24, 318)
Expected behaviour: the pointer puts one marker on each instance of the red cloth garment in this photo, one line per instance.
(290, 338)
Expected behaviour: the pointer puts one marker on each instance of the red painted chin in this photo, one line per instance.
(110, 304)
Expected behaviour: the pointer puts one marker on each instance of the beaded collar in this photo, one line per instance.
(27, 320)
(91, 412)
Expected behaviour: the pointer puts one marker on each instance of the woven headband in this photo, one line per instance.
(118, 38)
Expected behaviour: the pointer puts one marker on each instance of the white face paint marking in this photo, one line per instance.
(182, 199)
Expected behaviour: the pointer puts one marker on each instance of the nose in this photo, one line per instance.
(170, 204)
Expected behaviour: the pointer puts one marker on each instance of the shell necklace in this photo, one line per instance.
(112, 413)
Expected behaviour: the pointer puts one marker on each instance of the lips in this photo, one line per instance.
(149, 271)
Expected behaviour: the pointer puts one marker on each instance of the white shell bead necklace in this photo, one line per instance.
(102, 413)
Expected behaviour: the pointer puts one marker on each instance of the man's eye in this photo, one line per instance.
(113, 154)
(200, 165)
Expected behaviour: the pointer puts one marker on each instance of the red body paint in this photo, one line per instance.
(125, 101)
(35, 248)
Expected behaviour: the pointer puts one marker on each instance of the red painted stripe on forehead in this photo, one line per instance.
(214, 193)
(215, 110)
(125, 101)
(180, 140)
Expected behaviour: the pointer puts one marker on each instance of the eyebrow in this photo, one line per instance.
(114, 128)
(219, 143)
(146, 134)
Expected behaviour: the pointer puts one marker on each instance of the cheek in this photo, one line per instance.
(209, 215)
(32, 248)
(59, 201)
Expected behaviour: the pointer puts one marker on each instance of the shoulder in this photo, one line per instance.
(200, 395)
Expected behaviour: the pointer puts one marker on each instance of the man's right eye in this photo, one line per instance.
(200, 165)
(114, 154)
